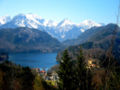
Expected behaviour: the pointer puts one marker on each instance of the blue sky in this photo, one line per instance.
(101, 11)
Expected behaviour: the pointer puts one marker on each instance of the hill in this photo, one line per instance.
(27, 40)
(91, 34)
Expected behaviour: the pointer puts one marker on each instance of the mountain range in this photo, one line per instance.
(62, 30)
(28, 33)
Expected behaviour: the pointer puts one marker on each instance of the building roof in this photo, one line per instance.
(42, 71)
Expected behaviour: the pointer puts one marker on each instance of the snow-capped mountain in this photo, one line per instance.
(4, 20)
(28, 20)
(69, 30)
(88, 24)
(62, 30)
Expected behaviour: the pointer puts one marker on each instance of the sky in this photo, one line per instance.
(101, 11)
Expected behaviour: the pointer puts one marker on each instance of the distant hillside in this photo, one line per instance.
(91, 34)
(83, 37)
(27, 40)
(97, 41)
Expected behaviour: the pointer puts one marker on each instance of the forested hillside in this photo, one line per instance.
(27, 40)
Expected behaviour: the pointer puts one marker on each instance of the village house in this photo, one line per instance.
(92, 63)
(52, 76)
(42, 73)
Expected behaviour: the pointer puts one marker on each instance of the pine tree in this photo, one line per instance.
(83, 75)
(65, 73)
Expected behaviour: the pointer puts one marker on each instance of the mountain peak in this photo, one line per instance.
(32, 17)
(4, 19)
(90, 23)
(28, 20)
(65, 22)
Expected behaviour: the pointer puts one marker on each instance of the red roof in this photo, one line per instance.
(42, 71)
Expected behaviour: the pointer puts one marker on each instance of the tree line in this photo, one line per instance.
(74, 75)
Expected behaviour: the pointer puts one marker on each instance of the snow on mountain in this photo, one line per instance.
(28, 20)
(62, 30)
(64, 23)
(69, 30)
(88, 24)
(4, 19)
(50, 23)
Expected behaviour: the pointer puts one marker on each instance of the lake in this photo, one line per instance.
(34, 60)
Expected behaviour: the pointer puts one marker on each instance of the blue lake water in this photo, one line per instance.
(34, 60)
